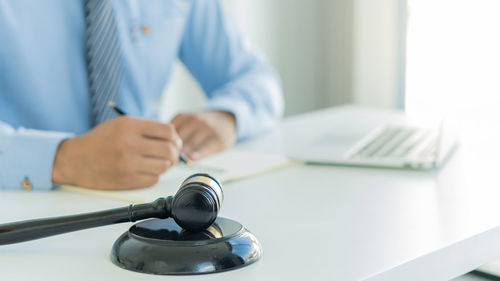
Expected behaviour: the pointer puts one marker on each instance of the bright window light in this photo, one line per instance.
(453, 58)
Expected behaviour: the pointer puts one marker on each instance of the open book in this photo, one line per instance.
(226, 166)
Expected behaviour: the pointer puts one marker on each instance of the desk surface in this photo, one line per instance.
(314, 222)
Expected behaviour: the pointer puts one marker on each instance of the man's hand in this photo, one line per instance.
(122, 153)
(204, 133)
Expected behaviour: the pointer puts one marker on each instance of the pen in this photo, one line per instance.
(182, 157)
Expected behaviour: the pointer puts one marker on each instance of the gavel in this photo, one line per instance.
(194, 207)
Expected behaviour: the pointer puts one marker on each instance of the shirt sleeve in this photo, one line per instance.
(234, 76)
(27, 156)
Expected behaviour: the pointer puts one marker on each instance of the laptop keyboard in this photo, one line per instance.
(399, 142)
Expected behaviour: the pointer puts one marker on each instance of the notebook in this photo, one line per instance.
(227, 166)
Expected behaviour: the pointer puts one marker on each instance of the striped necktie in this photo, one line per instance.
(104, 57)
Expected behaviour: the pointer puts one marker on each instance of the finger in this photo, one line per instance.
(140, 180)
(187, 130)
(208, 146)
(155, 148)
(153, 166)
(188, 145)
(158, 130)
(134, 180)
(197, 139)
(181, 119)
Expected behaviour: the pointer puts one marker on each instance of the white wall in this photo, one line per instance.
(379, 52)
(181, 94)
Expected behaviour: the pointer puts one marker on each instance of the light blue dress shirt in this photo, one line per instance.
(43, 80)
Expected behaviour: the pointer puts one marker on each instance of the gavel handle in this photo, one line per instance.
(38, 228)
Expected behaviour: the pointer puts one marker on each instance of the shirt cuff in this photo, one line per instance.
(236, 106)
(27, 158)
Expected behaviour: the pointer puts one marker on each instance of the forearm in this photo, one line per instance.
(230, 71)
(27, 156)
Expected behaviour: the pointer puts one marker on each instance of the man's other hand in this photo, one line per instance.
(204, 133)
(122, 153)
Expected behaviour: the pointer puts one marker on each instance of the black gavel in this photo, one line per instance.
(194, 207)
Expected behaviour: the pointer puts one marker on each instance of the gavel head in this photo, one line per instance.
(197, 203)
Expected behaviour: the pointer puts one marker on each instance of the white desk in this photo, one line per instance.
(314, 222)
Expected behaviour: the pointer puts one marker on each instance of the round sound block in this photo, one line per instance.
(160, 246)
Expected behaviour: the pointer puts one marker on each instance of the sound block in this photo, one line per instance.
(160, 246)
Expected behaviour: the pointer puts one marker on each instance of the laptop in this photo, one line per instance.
(405, 146)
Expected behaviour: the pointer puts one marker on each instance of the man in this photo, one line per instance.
(62, 61)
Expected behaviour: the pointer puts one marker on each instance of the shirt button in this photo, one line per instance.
(145, 28)
(26, 184)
